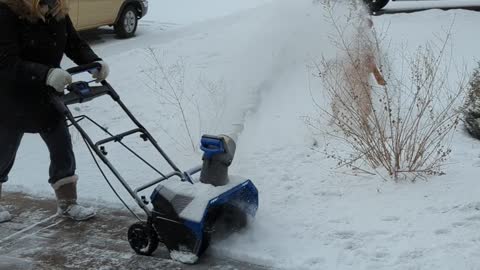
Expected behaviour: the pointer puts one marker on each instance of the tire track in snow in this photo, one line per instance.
(24, 231)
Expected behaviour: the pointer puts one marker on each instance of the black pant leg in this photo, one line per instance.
(62, 158)
(9, 143)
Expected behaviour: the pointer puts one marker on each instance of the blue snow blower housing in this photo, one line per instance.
(187, 211)
(187, 215)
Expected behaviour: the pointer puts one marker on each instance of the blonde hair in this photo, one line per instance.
(60, 10)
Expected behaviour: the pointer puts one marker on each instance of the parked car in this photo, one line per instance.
(123, 15)
(376, 5)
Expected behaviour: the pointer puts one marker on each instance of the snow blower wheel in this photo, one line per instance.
(142, 238)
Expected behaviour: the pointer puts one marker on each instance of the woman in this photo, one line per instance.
(34, 36)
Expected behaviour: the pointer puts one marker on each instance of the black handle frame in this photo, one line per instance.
(106, 89)
(84, 68)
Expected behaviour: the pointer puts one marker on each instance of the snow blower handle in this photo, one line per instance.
(80, 91)
(84, 68)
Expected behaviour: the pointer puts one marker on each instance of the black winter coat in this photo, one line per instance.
(28, 50)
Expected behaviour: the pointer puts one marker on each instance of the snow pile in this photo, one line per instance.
(4, 215)
(183, 257)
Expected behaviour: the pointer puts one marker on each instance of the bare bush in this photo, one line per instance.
(182, 104)
(402, 125)
(472, 105)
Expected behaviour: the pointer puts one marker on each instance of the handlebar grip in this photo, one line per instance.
(84, 68)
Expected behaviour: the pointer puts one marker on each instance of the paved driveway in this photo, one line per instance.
(36, 239)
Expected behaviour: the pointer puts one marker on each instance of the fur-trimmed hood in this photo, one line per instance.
(24, 9)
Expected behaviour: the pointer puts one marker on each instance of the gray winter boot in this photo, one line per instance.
(4, 214)
(66, 192)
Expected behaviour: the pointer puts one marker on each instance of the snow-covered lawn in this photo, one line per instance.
(310, 216)
(183, 12)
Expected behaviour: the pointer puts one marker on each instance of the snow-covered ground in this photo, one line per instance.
(183, 12)
(246, 74)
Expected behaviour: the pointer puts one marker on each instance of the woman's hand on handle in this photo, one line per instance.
(58, 79)
(102, 73)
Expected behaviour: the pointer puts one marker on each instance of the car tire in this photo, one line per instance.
(127, 23)
(376, 5)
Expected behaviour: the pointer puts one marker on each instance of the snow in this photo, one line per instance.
(183, 257)
(182, 12)
(14, 263)
(253, 56)
(4, 215)
(197, 197)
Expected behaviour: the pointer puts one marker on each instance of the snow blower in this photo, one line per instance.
(187, 210)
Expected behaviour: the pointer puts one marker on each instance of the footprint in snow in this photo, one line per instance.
(473, 218)
(442, 231)
(459, 224)
(345, 234)
(473, 206)
(380, 255)
(374, 233)
(273, 171)
(351, 245)
(391, 218)
(339, 221)
(328, 193)
(316, 262)
(413, 254)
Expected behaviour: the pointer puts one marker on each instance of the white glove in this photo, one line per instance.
(101, 74)
(58, 79)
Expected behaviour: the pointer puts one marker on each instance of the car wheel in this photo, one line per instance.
(376, 5)
(127, 23)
